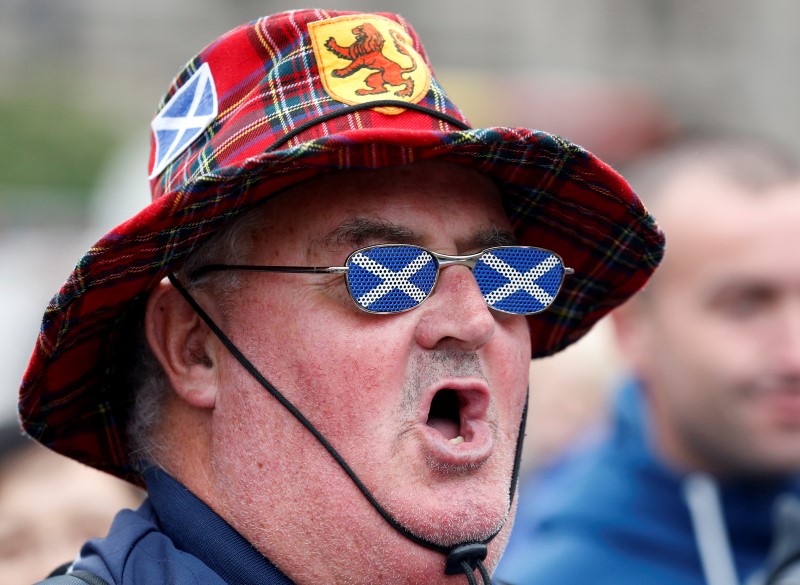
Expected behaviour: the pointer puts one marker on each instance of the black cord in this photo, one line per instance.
(487, 580)
(468, 571)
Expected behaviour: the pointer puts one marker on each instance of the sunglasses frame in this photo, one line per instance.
(441, 260)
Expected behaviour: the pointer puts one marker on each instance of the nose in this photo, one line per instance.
(456, 314)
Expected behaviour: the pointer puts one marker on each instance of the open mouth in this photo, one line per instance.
(458, 432)
(445, 415)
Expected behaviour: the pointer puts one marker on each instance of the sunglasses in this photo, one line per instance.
(393, 278)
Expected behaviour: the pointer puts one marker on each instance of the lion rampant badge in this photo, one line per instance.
(364, 58)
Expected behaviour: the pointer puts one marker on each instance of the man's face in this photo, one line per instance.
(393, 394)
(719, 345)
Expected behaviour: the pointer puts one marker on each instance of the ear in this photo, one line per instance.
(184, 346)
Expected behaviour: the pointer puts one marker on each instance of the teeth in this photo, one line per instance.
(458, 440)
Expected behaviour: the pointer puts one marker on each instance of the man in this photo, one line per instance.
(263, 348)
(707, 440)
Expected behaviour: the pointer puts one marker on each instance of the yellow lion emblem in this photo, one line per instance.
(367, 52)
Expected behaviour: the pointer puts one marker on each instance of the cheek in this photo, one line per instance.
(508, 360)
(693, 335)
(709, 350)
(340, 376)
(700, 369)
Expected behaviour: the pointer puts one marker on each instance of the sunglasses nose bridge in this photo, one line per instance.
(468, 263)
(444, 260)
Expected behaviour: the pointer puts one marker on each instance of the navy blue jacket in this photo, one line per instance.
(618, 515)
(175, 538)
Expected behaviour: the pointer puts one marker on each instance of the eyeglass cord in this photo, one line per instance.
(463, 558)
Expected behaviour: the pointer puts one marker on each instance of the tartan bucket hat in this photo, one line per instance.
(278, 101)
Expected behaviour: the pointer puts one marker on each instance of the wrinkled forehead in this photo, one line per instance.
(431, 204)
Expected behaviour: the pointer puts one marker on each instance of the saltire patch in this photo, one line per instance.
(184, 118)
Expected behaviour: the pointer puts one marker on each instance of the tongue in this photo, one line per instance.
(448, 428)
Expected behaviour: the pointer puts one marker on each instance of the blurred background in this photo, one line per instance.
(80, 80)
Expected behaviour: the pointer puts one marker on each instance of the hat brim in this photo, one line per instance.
(557, 196)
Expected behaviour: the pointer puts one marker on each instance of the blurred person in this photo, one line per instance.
(706, 435)
(49, 505)
(312, 348)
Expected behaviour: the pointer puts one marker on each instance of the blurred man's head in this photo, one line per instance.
(715, 338)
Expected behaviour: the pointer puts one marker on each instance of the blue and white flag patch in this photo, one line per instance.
(186, 116)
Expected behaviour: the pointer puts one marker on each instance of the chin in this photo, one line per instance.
(458, 515)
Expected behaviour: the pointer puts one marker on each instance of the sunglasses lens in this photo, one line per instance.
(390, 279)
(518, 280)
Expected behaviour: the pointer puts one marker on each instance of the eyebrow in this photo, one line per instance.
(494, 236)
(359, 231)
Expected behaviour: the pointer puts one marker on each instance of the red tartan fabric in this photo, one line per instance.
(557, 195)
